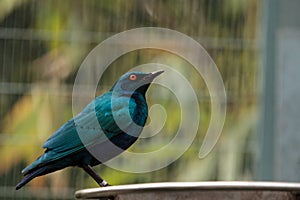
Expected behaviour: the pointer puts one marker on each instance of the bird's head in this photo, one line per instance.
(134, 82)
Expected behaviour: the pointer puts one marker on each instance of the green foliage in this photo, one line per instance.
(46, 49)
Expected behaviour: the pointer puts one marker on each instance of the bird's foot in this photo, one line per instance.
(104, 184)
(101, 182)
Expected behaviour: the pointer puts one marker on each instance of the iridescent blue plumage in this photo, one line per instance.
(107, 126)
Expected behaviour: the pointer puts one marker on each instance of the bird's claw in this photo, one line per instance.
(104, 184)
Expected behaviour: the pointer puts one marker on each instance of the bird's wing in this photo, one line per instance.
(84, 130)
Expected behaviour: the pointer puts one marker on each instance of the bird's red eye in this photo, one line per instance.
(132, 77)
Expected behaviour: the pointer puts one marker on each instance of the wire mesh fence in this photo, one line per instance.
(43, 43)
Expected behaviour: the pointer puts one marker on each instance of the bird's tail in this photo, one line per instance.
(31, 175)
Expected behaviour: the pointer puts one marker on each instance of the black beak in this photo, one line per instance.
(156, 73)
(152, 75)
(145, 82)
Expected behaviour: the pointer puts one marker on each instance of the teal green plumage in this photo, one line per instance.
(116, 116)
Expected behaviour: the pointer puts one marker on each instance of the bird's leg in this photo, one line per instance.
(88, 169)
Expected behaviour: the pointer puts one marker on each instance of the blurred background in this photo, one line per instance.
(255, 45)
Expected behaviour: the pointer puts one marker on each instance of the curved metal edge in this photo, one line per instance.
(187, 186)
